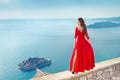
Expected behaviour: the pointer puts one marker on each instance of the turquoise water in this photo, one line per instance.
(52, 39)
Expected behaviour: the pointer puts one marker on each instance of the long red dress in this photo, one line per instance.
(85, 54)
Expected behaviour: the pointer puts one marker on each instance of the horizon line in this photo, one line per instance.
(62, 18)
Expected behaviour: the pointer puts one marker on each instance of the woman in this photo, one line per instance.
(82, 56)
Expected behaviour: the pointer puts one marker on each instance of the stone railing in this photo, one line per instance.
(106, 70)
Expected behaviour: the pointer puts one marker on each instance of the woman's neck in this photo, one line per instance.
(80, 28)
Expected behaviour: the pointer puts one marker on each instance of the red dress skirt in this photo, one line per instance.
(84, 53)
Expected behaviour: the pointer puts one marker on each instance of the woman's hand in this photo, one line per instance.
(88, 40)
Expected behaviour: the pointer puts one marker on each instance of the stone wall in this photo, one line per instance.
(105, 70)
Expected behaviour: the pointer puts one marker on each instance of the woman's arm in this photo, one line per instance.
(88, 40)
(87, 37)
(75, 41)
(75, 36)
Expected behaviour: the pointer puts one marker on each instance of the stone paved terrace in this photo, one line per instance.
(105, 70)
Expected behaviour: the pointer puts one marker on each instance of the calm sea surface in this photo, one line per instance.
(51, 39)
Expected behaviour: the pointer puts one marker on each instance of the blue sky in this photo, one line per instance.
(59, 8)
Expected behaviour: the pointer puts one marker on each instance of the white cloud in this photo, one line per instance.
(5, 1)
(12, 9)
(61, 13)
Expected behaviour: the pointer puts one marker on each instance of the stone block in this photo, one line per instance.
(99, 72)
(117, 67)
(113, 68)
(83, 78)
(90, 76)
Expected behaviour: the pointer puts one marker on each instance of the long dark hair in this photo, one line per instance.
(83, 25)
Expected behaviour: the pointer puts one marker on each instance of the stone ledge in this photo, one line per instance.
(105, 70)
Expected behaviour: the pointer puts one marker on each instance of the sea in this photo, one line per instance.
(52, 39)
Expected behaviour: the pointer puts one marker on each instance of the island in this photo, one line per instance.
(34, 63)
(103, 25)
